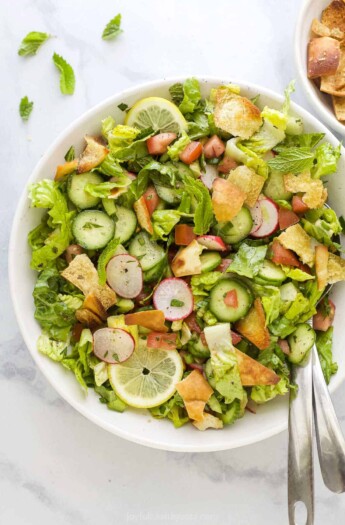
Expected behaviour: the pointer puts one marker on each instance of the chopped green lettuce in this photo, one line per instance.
(296, 274)
(163, 221)
(46, 194)
(191, 96)
(178, 146)
(324, 347)
(203, 214)
(272, 358)
(326, 160)
(202, 284)
(173, 409)
(248, 260)
(109, 398)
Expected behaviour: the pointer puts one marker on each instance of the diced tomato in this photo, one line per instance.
(224, 265)
(184, 234)
(214, 147)
(231, 299)
(158, 144)
(320, 320)
(298, 205)
(151, 199)
(227, 165)
(235, 338)
(192, 324)
(160, 340)
(286, 218)
(191, 152)
(284, 346)
(282, 255)
(203, 339)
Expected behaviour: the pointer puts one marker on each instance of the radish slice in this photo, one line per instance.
(211, 173)
(212, 242)
(125, 276)
(256, 216)
(174, 298)
(270, 223)
(113, 345)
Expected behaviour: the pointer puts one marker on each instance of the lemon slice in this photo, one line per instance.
(148, 378)
(157, 113)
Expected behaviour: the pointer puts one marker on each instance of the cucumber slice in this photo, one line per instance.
(288, 292)
(76, 192)
(126, 223)
(169, 195)
(109, 206)
(210, 261)
(155, 273)
(271, 273)
(209, 374)
(300, 342)
(236, 230)
(198, 349)
(93, 229)
(274, 187)
(229, 313)
(148, 252)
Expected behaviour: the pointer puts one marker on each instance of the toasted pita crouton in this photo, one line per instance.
(116, 192)
(334, 15)
(187, 260)
(151, 319)
(335, 84)
(320, 29)
(323, 56)
(93, 303)
(94, 153)
(66, 169)
(235, 114)
(254, 373)
(335, 269)
(143, 215)
(253, 326)
(315, 193)
(82, 273)
(208, 421)
(339, 107)
(227, 199)
(296, 239)
(88, 318)
(195, 392)
(248, 181)
(321, 264)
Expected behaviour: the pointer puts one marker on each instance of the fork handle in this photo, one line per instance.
(329, 438)
(300, 455)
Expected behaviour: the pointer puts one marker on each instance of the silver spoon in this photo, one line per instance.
(312, 395)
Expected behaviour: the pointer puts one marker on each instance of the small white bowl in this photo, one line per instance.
(322, 102)
(134, 425)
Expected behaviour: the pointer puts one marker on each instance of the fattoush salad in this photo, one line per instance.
(182, 253)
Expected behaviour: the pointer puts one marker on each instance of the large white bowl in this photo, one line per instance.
(134, 425)
(322, 102)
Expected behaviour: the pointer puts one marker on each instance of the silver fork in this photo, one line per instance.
(313, 396)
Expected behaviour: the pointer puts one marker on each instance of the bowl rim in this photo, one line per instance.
(324, 112)
(78, 405)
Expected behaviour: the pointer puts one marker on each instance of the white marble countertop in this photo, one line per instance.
(56, 467)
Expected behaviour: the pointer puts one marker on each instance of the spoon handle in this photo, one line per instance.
(329, 437)
(300, 459)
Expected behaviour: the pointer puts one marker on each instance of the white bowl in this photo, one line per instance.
(134, 425)
(322, 102)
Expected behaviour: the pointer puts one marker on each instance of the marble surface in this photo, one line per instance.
(55, 466)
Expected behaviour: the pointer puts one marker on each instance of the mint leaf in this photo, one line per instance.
(70, 154)
(67, 78)
(123, 106)
(112, 29)
(293, 160)
(31, 43)
(25, 108)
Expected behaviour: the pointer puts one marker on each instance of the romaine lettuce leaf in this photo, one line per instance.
(203, 214)
(324, 348)
(202, 284)
(46, 194)
(272, 358)
(178, 146)
(163, 221)
(326, 160)
(172, 409)
(248, 260)
(296, 274)
(109, 398)
(261, 394)
(191, 96)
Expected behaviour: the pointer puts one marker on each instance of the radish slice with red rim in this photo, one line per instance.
(113, 345)
(125, 276)
(270, 222)
(212, 242)
(256, 214)
(210, 174)
(174, 298)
